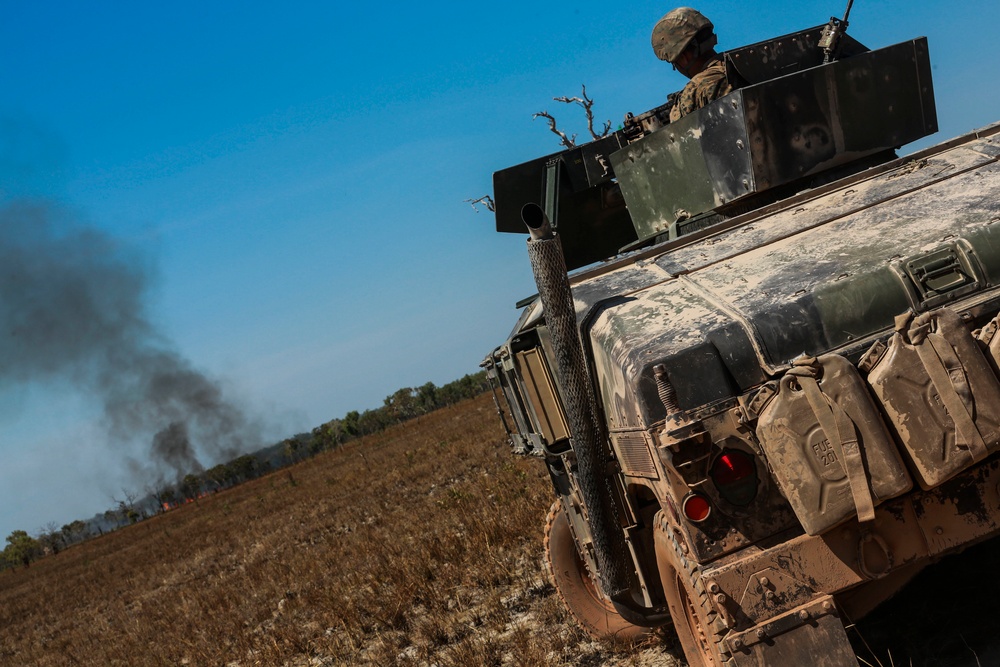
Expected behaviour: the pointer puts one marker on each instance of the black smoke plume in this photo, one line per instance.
(73, 310)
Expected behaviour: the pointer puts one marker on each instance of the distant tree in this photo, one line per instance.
(245, 467)
(50, 543)
(322, 438)
(319, 440)
(373, 421)
(449, 394)
(75, 531)
(164, 496)
(114, 517)
(130, 514)
(427, 397)
(350, 424)
(127, 511)
(221, 475)
(21, 548)
(191, 486)
(335, 432)
(327, 436)
(399, 406)
(81, 529)
(465, 387)
(50, 539)
(402, 405)
(292, 449)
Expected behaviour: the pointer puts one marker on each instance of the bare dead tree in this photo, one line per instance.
(568, 142)
(588, 108)
(485, 200)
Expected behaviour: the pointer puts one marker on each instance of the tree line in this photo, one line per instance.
(404, 404)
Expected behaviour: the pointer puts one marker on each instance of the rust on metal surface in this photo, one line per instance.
(793, 637)
(912, 528)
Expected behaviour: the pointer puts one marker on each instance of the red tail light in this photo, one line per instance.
(731, 467)
(696, 507)
(735, 475)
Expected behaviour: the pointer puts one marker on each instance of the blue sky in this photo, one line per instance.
(292, 178)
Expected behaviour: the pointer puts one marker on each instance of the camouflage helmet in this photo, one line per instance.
(673, 32)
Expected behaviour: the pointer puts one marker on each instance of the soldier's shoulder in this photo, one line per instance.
(714, 70)
(685, 102)
(712, 82)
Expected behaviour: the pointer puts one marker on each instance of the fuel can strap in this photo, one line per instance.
(946, 373)
(840, 432)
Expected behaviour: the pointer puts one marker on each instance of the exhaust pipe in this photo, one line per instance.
(538, 225)
(614, 561)
(549, 268)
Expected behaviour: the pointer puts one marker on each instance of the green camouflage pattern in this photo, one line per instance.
(675, 30)
(704, 87)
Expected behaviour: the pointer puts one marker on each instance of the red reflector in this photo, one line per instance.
(731, 467)
(696, 507)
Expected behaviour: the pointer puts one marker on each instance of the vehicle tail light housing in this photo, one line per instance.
(734, 473)
(696, 507)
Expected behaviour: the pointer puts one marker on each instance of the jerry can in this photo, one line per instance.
(989, 343)
(827, 445)
(938, 392)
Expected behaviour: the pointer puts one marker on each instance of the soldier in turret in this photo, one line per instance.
(686, 39)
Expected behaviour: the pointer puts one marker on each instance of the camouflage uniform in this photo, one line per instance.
(706, 86)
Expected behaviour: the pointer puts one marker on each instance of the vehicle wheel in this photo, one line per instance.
(699, 627)
(576, 586)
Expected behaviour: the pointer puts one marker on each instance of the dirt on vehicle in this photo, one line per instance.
(761, 369)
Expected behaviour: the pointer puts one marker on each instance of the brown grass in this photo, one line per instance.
(417, 546)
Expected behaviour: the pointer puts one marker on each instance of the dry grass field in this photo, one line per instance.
(417, 546)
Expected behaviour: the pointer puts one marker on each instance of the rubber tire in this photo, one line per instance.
(591, 609)
(698, 625)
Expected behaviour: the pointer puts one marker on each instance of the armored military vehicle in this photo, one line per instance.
(762, 365)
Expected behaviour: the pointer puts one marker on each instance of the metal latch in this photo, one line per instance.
(940, 275)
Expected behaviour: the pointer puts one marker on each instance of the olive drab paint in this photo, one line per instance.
(788, 342)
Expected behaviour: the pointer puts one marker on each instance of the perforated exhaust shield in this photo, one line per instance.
(552, 281)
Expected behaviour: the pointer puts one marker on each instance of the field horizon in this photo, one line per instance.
(420, 545)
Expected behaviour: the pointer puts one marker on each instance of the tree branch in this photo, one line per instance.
(485, 200)
(587, 105)
(568, 142)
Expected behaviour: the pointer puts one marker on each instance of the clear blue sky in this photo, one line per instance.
(291, 181)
